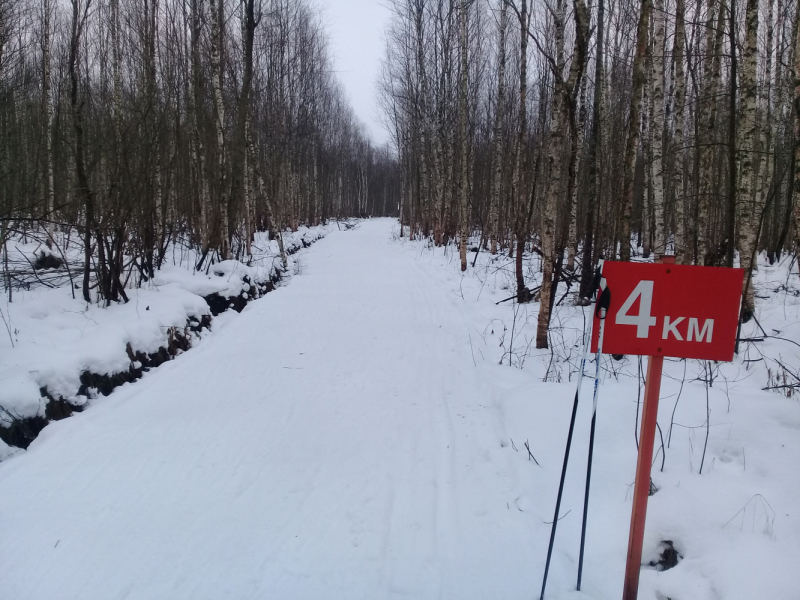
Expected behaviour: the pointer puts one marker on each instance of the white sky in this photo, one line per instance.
(356, 31)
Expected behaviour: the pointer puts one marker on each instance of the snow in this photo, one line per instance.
(57, 338)
(51, 337)
(353, 435)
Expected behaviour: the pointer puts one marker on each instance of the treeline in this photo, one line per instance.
(138, 123)
(598, 128)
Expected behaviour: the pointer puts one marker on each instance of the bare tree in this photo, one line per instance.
(749, 213)
(632, 146)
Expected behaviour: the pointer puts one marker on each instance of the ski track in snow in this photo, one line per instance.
(335, 440)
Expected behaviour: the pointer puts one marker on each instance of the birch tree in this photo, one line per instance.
(658, 129)
(497, 165)
(749, 213)
(562, 120)
(463, 90)
(632, 146)
(680, 122)
(47, 111)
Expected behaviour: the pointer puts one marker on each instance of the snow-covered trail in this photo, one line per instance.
(334, 440)
(351, 436)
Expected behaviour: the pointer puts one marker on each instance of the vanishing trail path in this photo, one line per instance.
(335, 440)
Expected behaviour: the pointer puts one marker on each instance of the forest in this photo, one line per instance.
(609, 128)
(133, 125)
(613, 128)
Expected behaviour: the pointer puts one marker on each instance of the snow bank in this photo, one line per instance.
(51, 341)
(231, 278)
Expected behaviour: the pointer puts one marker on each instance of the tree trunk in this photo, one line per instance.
(645, 237)
(658, 130)
(195, 104)
(520, 173)
(593, 158)
(463, 127)
(680, 118)
(242, 177)
(76, 104)
(796, 183)
(562, 118)
(156, 238)
(217, 34)
(730, 229)
(749, 213)
(48, 123)
(708, 117)
(764, 140)
(117, 60)
(572, 240)
(497, 165)
(634, 125)
(422, 107)
(554, 185)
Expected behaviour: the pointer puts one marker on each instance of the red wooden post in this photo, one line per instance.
(641, 492)
(642, 485)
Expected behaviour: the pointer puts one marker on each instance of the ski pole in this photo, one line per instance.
(605, 299)
(586, 345)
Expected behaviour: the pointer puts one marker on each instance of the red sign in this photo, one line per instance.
(670, 310)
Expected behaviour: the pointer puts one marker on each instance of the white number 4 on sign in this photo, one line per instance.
(643, 320)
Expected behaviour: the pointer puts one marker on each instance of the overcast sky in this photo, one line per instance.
(356, 30)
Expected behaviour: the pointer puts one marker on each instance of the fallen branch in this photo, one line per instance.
(515, 296)
(530, 454)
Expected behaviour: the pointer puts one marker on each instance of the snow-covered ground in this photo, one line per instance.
(50, 336)
(361, 433)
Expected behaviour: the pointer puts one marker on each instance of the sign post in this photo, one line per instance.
(641, 490)
(660, 310)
